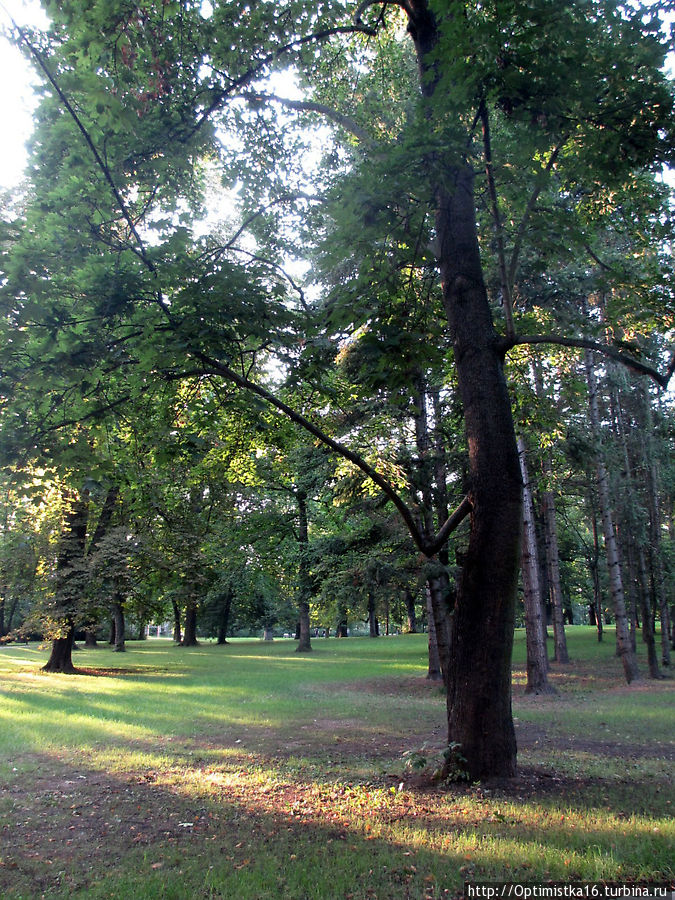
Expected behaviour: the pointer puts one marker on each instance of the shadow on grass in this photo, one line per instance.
(251, 827)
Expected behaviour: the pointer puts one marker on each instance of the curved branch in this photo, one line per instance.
(323, 109)
(251, 74)
(588, 344)
(215, 367)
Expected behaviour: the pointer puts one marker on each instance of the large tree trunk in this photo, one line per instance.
(478, 682)
(537, 659)
(190, 630)
(61, 656)
(68, 583)
(623, 638)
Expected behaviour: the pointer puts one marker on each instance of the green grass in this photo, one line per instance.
(249, 771)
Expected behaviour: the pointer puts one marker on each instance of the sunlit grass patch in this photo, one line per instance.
(248, 771)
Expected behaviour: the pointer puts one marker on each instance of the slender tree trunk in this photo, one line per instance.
(120, 629)
(647, 622)
(304, 579)
(177, 635)
(551, 554)
(623, 640)
(411, 614)
(595, 570)
(537, 660)
(373, 624)
(553, 567)
(90, 641)
(658, 577)
(434, 660)
(224, 618)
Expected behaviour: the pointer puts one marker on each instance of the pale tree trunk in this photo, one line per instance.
(537, 660)
(655, 541)
(595, 569)
(647, 622)
(623, 639)
(552, 554)
(553, 566)
(438, 582)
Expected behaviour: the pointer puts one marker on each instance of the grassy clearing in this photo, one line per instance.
(248, 771)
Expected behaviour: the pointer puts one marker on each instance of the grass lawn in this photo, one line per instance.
(249, 771)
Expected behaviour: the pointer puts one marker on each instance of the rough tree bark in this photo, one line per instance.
(478, 681)
(409, 600)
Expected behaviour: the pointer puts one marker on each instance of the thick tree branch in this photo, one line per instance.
(588, 344)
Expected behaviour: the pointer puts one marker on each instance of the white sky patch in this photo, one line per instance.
(17, 100)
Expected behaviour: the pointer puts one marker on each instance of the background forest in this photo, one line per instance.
(328, 317)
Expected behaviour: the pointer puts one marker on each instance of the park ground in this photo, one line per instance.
(249, 771)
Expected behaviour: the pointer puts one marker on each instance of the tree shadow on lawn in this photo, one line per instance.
(207, 829)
